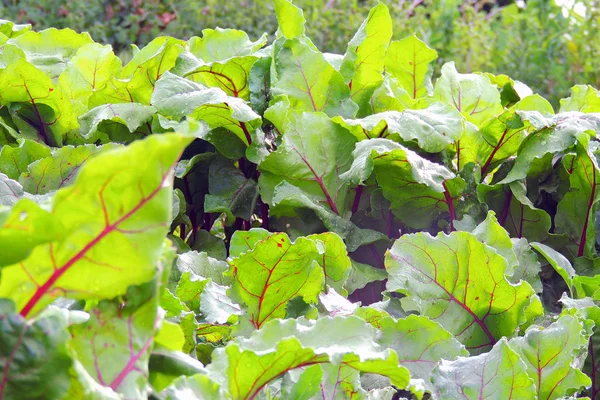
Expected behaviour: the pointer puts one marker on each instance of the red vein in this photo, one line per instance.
(42, 290)
(9, 361)
(583, 239)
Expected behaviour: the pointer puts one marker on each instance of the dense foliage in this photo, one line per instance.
(551, 47)
(227, 218)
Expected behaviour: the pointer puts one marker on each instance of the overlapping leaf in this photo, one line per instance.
(460, 283)
(98, 213)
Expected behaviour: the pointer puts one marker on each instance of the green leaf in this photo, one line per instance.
(291, 19)
(472, 94)
(433, 128)
(198, 386)
(307, 385)
(230, 191)
(584, 98)
(34, 358)
(528, 267)
(561, 265)
(282, 346)
(552, 134)
(498, 139)
(552, 356)
(333, 259)
(60, 169)
(313, 153)
(310, 82)
(243, 241)
(14, 160)
(90, 70)
(148, 65)
(190, 288)
(25, 227)
(273, 273)
(499, 374)
(363, 62)
(492, 234)
(114, 217)
(11, 29)
(166, 366)
(421, 344)
(216, 306)
(259, 84)
(418, 189)
(361, 274)
(230, 76)
(10, 191)
(222, 44)
(51, 50)
(203, 265)
(408, 60)
(516, 213)
(576, 211)
(470, 296)
(132, 115)
(390, 96)
(114, 345)
(179, 97)
(43, 107)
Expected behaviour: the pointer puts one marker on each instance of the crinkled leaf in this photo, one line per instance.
(551, 356)
(499, 374)
(420, 343)
(584, 98)
(51, 50)
(216, 306)
(552, 134)
(179, 97)
(222, 44)
(460, 283)
(433, 128)
(390, 96)
(203, 265)
(132, 115)
(282, 346)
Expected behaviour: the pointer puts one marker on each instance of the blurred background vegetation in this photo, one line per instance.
(548, 46)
